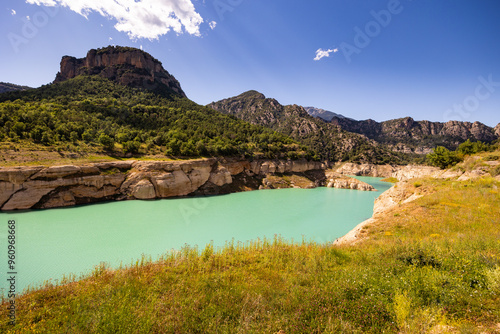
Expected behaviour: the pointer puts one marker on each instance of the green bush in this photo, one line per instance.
(131, 147)
(468, 147)
(106, 141)
(443, 158)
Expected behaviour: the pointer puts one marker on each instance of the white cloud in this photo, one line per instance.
(320, 53)
(28, 17)
(212, 25)
(13, 12)
(139, 18)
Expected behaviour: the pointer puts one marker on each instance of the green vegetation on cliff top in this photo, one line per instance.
(429, 266)
(94, 115)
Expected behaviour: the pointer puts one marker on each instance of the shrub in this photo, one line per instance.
(493, 279)
(131, 147)
(468, 147)
(402, 308)
(443, 158)
(106, 141)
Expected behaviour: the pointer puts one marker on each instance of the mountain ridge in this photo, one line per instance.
(410, 136)
(328, 139)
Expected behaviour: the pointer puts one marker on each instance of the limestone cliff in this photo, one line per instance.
(365, 169)
(404, 173)
(57, 186)
(127, 66)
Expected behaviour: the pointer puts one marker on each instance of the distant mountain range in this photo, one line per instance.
(8, 87)
(410, 136)
(323, 114)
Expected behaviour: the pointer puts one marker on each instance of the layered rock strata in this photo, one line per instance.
(58, 186)
(403, 173)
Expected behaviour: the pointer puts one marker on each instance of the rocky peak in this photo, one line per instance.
(323, 114)
(127, 66)
(408, 122)
(252, 94)
(497, 130)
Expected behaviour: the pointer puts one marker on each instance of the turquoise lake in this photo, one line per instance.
(56, 242)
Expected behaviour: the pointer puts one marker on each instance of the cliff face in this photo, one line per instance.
(409, 136)
(365, 170)
(58, 186)
(127, 66)
(405, 173)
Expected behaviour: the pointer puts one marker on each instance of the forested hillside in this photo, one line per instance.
(96, 114)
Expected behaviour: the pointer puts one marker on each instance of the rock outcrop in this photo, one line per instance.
(58, 186)
(365, 169)
(404, 173)
(336, 180)
(127, 66)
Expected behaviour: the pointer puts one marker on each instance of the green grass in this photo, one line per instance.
(390, 180)
(428, 266)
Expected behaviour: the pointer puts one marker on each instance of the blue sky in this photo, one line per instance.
(428, 59)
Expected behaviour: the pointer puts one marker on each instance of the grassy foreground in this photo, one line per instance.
(430, 266)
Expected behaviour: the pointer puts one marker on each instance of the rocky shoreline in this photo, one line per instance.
(402, 192)
(42, 187)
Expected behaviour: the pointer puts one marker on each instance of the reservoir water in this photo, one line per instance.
(56, 242)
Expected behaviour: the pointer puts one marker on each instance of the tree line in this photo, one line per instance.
(96, 112)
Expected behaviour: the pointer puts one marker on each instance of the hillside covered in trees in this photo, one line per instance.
(94, 114)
